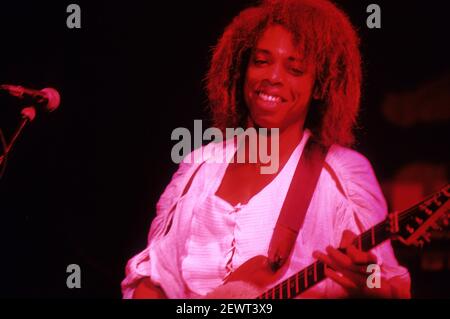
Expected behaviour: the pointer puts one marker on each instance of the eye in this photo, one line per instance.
(297, 71)
(260, 62)
(296, 67)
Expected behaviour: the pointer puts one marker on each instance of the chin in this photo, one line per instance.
(266, 123)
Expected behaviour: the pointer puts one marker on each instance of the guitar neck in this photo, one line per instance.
(411, 223)
(315, 273)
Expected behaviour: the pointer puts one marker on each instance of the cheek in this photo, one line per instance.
(301, 89)
(249, 87)
(253, 76)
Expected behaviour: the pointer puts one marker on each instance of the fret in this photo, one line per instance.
(315, 272)
(289, 288)
(305, 275)
(382, 233)
(273, 293)
(372, 237)
(281, 291)
(297, 279)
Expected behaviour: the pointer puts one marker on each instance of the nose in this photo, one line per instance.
(275, 74)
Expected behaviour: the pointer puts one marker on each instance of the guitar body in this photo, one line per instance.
(146, 290)
(248, 281)
(251, 279)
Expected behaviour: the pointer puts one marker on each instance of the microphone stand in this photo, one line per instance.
(28, 115)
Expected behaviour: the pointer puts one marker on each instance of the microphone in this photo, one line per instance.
(48, 98)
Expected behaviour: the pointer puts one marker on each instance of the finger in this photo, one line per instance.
(276, 259)
(356, 275)
(347, 238)
(344, 262)
(280, 248)
(273, 257)
(359, 257)
(339, 257)
(271, 254)
(340, 279)
(324, 258)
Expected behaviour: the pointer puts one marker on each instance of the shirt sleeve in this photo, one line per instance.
(138, 266)
(364, 206)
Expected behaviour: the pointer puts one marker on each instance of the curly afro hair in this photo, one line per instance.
(327, 41)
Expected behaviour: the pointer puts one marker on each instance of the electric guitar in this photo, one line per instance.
(411, 227)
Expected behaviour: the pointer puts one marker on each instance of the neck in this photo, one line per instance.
(288, 139)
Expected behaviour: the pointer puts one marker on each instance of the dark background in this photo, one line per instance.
(82, 182)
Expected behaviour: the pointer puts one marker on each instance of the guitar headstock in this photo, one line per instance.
(414, 225)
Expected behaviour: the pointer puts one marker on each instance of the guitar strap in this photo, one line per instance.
(296, 203)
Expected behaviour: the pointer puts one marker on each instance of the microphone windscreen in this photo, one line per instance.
(53, 98)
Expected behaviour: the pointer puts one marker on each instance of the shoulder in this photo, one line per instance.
(355, 178)
(349, 165)
(210, 153)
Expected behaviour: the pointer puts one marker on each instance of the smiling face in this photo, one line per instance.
(278, 85)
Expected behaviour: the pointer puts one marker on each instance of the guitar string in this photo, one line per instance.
(285, 284)
(364, 236)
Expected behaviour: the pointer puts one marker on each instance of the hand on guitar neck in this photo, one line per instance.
(347, 266)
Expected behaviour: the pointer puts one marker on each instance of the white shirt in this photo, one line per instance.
(209, 237)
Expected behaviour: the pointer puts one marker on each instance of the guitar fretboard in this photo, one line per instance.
(315, 273)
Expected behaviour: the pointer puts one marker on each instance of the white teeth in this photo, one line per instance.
(269, 98)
